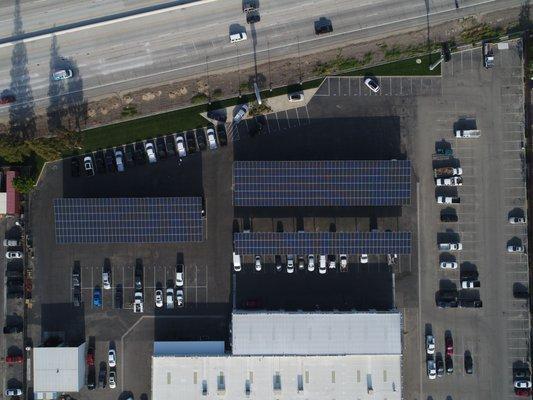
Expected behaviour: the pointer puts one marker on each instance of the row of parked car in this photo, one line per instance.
(122, 157)
(436, 366)
(102, 374)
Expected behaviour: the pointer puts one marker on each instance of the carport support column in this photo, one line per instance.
(257, 93)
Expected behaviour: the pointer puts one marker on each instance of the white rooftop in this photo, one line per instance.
(58, 369)
(353, 377)
(315, 333)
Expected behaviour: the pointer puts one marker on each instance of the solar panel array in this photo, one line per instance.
(321, 183)
(128, 220)
(269, 243)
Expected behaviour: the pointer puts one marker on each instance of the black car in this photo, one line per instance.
(448, 217)
(253, 17)
(279, 265)
(110, 161)
(15, 293)
(171, 145)
(75, 167)
(128, 155)
(468, 303)
(12, 329)
(440, 365)
(217, 115)
(161, 148)
(323, 25)
(102, 377)
(191, 142)
(118, 297)
(447, 299)
(200, 138)
(100, 162)
(449, 365)
(139, 155)
(91, 378)
(76, 297)
(469, 363)
(14, 282)
(222, 135)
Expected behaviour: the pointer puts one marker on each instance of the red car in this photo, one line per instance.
(522, 392)
(449, 346)
(14, 359)
(90, 357)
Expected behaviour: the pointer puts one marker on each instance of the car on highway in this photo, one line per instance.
(323, 25)
(119, 160)
(11, 255)
(211, 138)
(448, 265)
(97, 297)
(448, 363)
(431, 368)
(112, 358)
(258, 263)
(517, 220)
(515, 248)
(150, 152)
(112, 380)
(430, 344)
(469, 363)
(88, 166)
(311, 262)
(180, 145)
(62, 74)
(290, 264)
(13, 392)
(179, 275)
(453, 181)
(296, 97)
(159, 298)
(363, 259)
(179, 298)
(240, 114)
(372, 84)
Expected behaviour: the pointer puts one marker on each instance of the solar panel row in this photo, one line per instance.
(321, 183)
(128, 220)
(269, 243)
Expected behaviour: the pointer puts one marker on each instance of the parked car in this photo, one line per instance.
(128, 155)
(8, 329)
(290, 264)
(112, 358)
(159, 298)
(322, 265)
(240, 114)
(112, 380)
(430, 344)
(200, 138)
(170, 144)
(119, 159)
(372, 84)
(513, 248)
(89, 358)
(222, 135)
(517, 220)
(323, 25)
(211, 138)
(448, 340)
(150, 152)
(296, 97)
(11, 242)
(161, 148)
(97, 297)
(110, 162)
(258, 263)
(180, 145)
(62, 74)
(277, 261)
(448, 363)
(179, 275)
(363, 259)
(100, 162)
(453, 181)
(179, 298)
(13, 392)
(74, 167)
(332, 261)
(170, 298)
(448, 217)
(448, 200)
(469, 363)
(440, 365)
(431, 368)
(102, 375)
(191, 142)
(448, 265)
(11, 255)
(106, 279)
(88, 166)
(522, 384)
(310, 262)
(14, 359)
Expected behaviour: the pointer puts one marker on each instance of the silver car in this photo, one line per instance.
(150, 152)
(119, 159)
(62, 74)
(180, 144)
(211, 138)
(240, 114)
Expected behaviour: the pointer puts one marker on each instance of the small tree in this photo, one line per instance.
(23, 184)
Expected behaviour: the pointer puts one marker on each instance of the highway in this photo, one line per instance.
(176, 44)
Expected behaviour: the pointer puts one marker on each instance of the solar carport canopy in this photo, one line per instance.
(321, 183)
(128, 220)
(268, 243)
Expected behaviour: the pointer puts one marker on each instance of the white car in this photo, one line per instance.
(290, 264)
(211, 138)
(112, 380)
(511, 249)
(430, 344)
(343, 261)
(11, 255)
(150, 152)
(517, 220)
(88, 165)
(112, 358)
(363, 259)
(258, 263)
(237, 37)
(106, 280)
(310, 262)
(170, 298)
(372, 84)
(119, 157)
(453, 181)
(159, 298)
(322, 265)
(522, 384)
(179, 275)
(62, 74)
(179, 298)
(295, 97)
(180, 144)
(448, 265)
(448, 200)
(240, 114)
(13, 392)
(431, 369)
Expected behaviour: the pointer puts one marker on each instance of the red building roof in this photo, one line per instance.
(13, 197)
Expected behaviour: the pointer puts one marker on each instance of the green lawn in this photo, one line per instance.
(189, 118)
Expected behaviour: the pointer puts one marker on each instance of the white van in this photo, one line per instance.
(236, 262)
(237, 37)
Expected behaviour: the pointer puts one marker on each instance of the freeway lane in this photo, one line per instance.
(176, 44)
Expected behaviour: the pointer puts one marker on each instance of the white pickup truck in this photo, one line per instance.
(138, 304)
(450, 246)
(453, 181)
(468, 133)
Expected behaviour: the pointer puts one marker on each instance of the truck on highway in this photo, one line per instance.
(467, 133)
(488, 55)
(450, 246)
(445, 172)
(470, 284)
(453, 181)
(138, 304)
